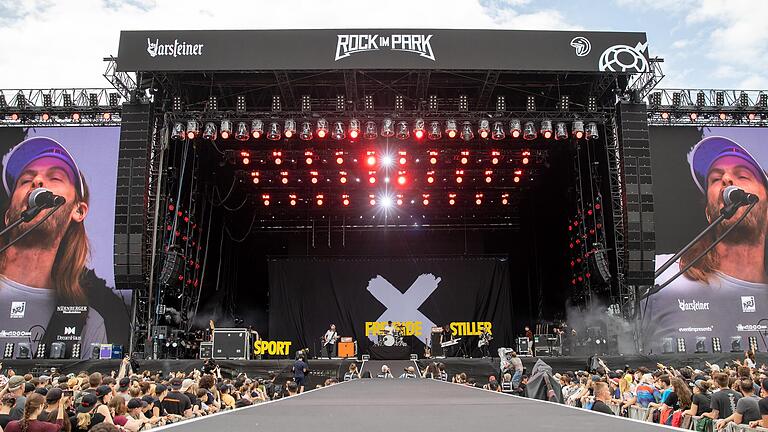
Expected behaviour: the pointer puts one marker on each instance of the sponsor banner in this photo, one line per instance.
(262, 347)
(406, 328)
(207, 50)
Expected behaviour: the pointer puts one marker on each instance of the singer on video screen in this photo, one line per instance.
(47, 294)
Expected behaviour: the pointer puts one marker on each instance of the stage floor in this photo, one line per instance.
(409, 405)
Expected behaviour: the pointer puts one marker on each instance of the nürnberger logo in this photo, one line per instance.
(174, 49)
(693, 305)
(348, 44)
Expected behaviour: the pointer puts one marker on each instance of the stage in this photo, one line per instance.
(322, 369)
(423, 405)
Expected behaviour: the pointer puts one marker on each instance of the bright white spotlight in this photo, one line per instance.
(386, 202)
(386, 160)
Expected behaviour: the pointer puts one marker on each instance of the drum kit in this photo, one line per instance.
(395, 338)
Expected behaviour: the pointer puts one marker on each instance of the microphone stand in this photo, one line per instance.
(725, 213)
(22, 219)
(26, 216)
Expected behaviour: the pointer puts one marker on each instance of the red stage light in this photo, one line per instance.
(516, 179)
(547, 134)
(399, 201)
(339, 160)
(308, 161)
(292, 198)
(314, 180)
(224, 135)
(451, 134)
(425, 202)
(265, 197)
(278, 161)
(433, 160)
(371, 160)
(345, 201)
(288, 133)
(665, 115)
(371, 180)
(372, 199)
(464, 160)
(578, 134)
(483, 134)
(723, 116)
(418, 134)
(693, 116)
(516, 133)
(46, 117)
(751, 116)
(353, 134)
(321, 133)
(284, 180)
(525, 161)
(319, 199)
(430, 179)
(246, 161)
(343, 178)
(75, 116)
(255, 180)
(401, 180)
(256, 134)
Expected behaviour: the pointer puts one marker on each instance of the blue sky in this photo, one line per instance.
(705, 44)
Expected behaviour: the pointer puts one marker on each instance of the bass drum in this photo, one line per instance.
(389, 340)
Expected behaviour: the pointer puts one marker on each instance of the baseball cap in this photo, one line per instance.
(707, 151)
(148, 399)
(136, 403)
(28, 387)
(15, 382)
(176, 383)
(53, 395)
(160, 388)
(124, 383)
(30, 150)
(103, 390)
(87, 403)
(186, 384)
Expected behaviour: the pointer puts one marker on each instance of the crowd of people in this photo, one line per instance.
(126, 400)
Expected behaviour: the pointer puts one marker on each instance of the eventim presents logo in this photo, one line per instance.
(174, 49)
(348, 44)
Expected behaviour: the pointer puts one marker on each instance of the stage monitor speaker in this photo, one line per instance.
(523, 346)
(105, 351)
(345, 349)
(667, 345)
(736, 344)
(437, 350)
(230, 344)
(25, 351)
(58, 350)
(95, 350)
(206, 350)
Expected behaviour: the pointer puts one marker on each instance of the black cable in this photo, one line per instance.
(47, 215)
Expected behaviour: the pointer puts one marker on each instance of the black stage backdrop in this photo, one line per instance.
(306, 295)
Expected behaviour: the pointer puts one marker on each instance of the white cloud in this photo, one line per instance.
(60, 43)
(680, 43)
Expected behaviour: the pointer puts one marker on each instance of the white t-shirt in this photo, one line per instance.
(329, 336)
(25, 312)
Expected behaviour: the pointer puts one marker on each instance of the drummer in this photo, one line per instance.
(389, 329)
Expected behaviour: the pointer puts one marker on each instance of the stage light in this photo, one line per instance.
(498, 131)
(514, 128)
(386, 202)
(466, 131)
(15, 117)
(751, 116)
(106, 116)
(308, 155)
(459, 176)
(274, 133)
(339, 157)
(418, 129)
(75, 116)
(425, 199)
(434, 131)
(577, 129)
(723, 116)
(178, 132)
(241, 132)
(430, 177)
(530, 103)
(478, 198)
(338, 131)
(343, 177)
(370, 130)
(451, 198)
(225, 129)
(265, 199)
(354, 129)
(546, 129)
(277, 157)
(495, 157)
(488, 176)
(46, 116)
(484, 128)
(306, 131)
(399, 199)
(450, 128)
(209, 131)
(371, 159)
(319, 199)
(345, 200)
(284, 177)
(321, 128)
(372, 177)
(464, 157)
(192, 129)
(385, 161)
(592, 132)
(387, 128)
(433, 157)
(665, 115)
(401, 130)
(401, 178)
(693, 116)
(293, 199)
(313, 177)
(289, 129)
(246, 157)
(255, 176)
(561, 131)
(257, 128)
(504, 198)
(516, 179)
(529, 131)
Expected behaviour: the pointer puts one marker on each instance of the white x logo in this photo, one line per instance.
(404, 306)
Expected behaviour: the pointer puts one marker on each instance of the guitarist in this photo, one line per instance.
(484, 342)
(329, 341)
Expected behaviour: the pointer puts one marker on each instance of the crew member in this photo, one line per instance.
(329, 341)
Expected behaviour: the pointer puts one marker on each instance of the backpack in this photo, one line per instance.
(677, 418)
(665, 417)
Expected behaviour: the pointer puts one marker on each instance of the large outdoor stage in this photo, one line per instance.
(423, 405)
(322, 369)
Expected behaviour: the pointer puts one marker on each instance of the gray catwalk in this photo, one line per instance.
(407, 405)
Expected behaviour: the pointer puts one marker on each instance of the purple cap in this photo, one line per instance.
(707, 151)
(30, 150)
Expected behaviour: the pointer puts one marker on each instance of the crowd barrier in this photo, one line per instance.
(688, 422)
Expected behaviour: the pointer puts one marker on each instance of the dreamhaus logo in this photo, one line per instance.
(348, 44)
(174, 49)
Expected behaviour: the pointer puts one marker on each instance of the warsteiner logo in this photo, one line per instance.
(348, 44)
(175, 49)
(693, 305)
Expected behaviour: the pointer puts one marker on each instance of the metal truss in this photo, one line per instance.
(55, 107)
(708, 107)
(613, 154)
(123, 82)
(643, 84)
